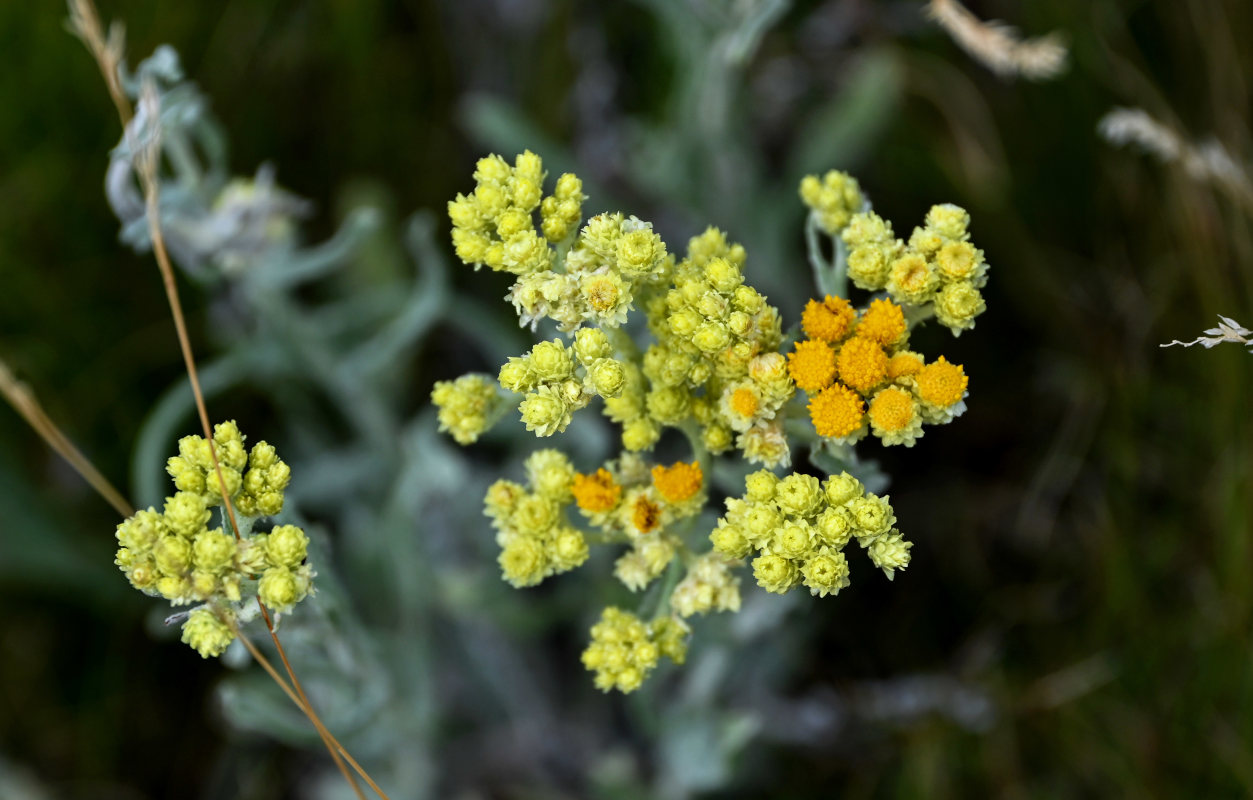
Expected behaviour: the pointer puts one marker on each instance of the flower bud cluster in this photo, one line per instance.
(613, 259)
(939, 267)
(629, 502)
(710, 585)
(175, 554)
(468, 406)
(625, 649)
(495, 225)
(715, 360)
(861, 377)
(559, 380)
(833, 199)
(536, 540)
(799, 526)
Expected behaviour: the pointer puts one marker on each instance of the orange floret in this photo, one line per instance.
(812, 365)
(903, 365)
(883, 321)
(596, 492)
(744, 402)
(836, 411)
(679, 481)
(862, 364)
(892, 409)
(941, 383)
(646, 515)
(829, 320)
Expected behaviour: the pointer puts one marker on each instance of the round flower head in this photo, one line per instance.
(799, 495)
(825, 572)
(206, 633)
(591, 344)
(765, 444)
(774, 573)
(913, 280)
(678, 482)
(842, 489)
(941, 384)
(567, 549)
(760, 486)
(949, 221)
(829, 320)
(608, 296)
(812, 365)
(957, 305)
(523, 561)
(545, 412)
(869, 265)
(884, 322)
(730, 540)
(904, 364)
(862, 364)
(960, 261)
(740, 405)
(550, 474)
(551, 361)
(894, 417)
(890, 552)
(837, 412)
(607, 376)
(792, 540)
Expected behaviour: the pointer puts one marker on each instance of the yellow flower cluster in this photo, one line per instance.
(709, 585)
(176, 555)
(715, 360)
(536, 540)
(625, 649)
(629, 502)
(939, 267)
(254, 482)
(495, 224)
(467, 406)
(861, 376)
(549, 376)
(799, 527)
(833, 199)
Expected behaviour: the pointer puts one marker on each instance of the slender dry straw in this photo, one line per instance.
(24, 401)
(998, 46)
(85, 22)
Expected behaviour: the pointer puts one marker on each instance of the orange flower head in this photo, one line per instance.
(836, 411)
(679, 481)
(892, 409)
(862, 364)
(596, 492)
(829, 320)
(941, 383)
(883, 321)
(812, 365)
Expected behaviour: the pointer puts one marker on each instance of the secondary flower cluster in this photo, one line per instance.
(625, 649)
(627, 501)
(536, 540)
(549, 375)
(799, 527)
(716, 360)
(861, 375)
(176, 555)
(939, 270)
(714, 371)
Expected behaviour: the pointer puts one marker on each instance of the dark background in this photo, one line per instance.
(1083, 533)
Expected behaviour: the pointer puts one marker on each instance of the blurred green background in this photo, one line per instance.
(1083, 558)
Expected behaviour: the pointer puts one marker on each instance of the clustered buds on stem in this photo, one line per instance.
(174, 553)
(717, 371)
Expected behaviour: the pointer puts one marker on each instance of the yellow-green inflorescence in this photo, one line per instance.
(717, 369)
(175, 554)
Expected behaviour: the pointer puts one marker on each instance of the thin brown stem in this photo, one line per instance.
(86, 23)
(24, 401)
(313, 717)
(323, 734)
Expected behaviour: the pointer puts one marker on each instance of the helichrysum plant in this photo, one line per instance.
(719, 368)
(191, 553)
